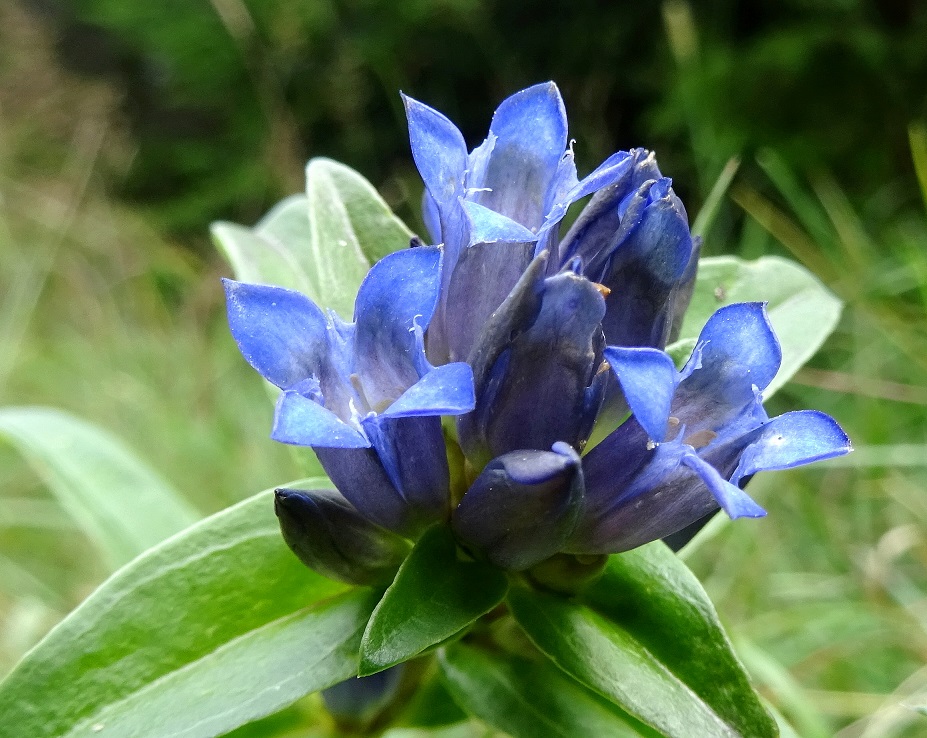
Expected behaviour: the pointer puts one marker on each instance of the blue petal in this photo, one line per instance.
(648, 379)
(399, 293)
(412, 452)
(606, 174)
(359, 475)
(593, 235)
(432, 217)
(636, 492)
(522, 507)
(562, 185)
(439, 150)
(445, 390)
(484, 277)
(661, 235)
(738, 352)
(303, 422)
(530, 403)
(488, 226)
(642, 268)
(731, 498)
(281, 333)
(790, 440)
(478, 163)
(531, 135)
(359, 700)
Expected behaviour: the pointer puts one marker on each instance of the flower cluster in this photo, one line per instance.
(523, 341)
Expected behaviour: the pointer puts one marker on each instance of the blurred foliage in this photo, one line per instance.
(225, 99)
(126, 127)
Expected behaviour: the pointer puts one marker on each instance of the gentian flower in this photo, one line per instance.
(696, 436)
(633, 238)
(538, 367)
(494, 209)
(694, 439)
(362, 395)
(530, 342)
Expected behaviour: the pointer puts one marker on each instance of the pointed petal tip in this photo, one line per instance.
(793, 439)
(742, 335)
(299, 421)
(648, 379)
(749, 509)
(286, 501)
(231, 287)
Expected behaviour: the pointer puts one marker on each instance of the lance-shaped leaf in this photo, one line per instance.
(435, 595)
(214, 628)
(802, 311)
(321, 243)
(646, 636)
(528, 699)
(121, 504)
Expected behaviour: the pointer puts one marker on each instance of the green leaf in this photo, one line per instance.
(527, 699)
(469, 729)
(432, 706)
(213, 628)
(258, 256)
(435, 595)
(608, 659)
(122, 505)
(650, 594)
(321, 243)
(378, 231)
(803, 312)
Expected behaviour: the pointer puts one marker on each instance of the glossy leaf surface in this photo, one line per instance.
(213, 628)
(435, 595)
(528, 698)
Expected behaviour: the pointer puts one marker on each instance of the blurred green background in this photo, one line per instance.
(125, 128)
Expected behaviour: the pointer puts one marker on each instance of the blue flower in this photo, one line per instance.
(362, 395)
(494, 209)
(538, 370)
(633, 238)
(695, 438)
(529, 341)
(357, 702)
(329, 535)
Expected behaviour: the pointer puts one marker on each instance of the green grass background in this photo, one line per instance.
(125, 129)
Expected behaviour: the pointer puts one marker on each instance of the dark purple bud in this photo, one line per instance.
(329, 536)
(357, 702)
(592, 236)
(522, 508)
(535, 368)
(651, 252)
(633, 237)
